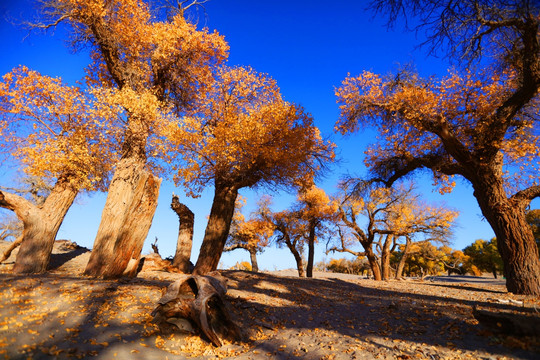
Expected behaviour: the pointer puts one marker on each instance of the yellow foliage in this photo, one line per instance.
(317, 203)
(399, 211)
(476, 271)
(57, 130)
(244, 265)
(251, 234)
(152, 69)
(416, 118)
(244, 134)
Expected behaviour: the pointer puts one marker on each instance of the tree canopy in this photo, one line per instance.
(55, 130)
(244, 110)
(478, 124)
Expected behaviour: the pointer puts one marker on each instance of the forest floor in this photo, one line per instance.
(62, 314)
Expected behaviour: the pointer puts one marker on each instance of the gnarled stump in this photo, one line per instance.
(185, 236)
(195, 303)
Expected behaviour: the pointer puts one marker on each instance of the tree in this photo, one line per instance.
(152, 69)
(58, 134)
(358, 266)
(480, 125)
(289, 231)
(252, 235)
(36, 190)
(390, 214)
(424, 259)
(455, 261)
(314, 208)
(242, 110)
(484, 255)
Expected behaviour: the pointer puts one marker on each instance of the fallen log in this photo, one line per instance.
(518, 324)
(195, 303)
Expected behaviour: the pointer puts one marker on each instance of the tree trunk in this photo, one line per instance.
(385, 257)
(185, 235)
(299, 262)
(373, 263)
(40, 225)
(125, 221)
(515, 239)
(253, 258)
(311, 248)
(217, 229)
(403, 260)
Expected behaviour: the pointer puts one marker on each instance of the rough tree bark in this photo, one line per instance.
(196, 303)
(40, 225)
(373, 263)
(125, 221)
(515, 239)
(385, 257)
(185, 235)
(217, 230)
(133, 193)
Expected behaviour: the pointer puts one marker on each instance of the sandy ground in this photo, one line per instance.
(63, 314)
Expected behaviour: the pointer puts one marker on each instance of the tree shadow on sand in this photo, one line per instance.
(298, 308)
(61, 316)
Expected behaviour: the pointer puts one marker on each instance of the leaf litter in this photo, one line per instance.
(64, 315)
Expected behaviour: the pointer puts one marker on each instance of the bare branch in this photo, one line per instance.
(234, 247)
(389, 170)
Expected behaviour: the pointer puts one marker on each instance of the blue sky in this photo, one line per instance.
(309, 47)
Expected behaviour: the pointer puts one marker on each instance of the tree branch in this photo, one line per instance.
(15, 203)
(525, 196)
(392, 169)
(234, 247)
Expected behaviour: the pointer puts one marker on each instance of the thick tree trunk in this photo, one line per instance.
(217, 229)
(40, 225)
(519, 253)
(185, 235)
(515, 239)
(311, 248)
(385, 257)
(253, 258)
(125, 221)
(373, 263)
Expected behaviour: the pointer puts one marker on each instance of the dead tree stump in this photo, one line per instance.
(185, 236)
(195, 303)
